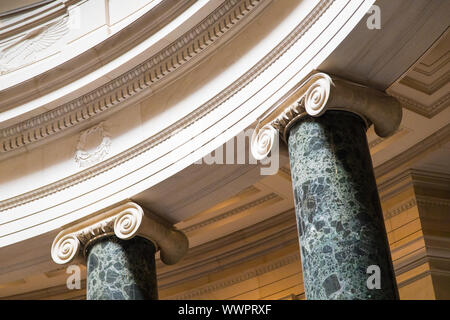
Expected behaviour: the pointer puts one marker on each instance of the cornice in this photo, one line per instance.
(57, 292)
(285, 237)
(21, 19)
(439, 137)
(124, 221)
(433, 201)
(421, 87)
(246, 244)
(378, 140)
(252, 230)
(423, 275)
(68, 68)
(410, 178)
(230, 213)
(127, 85)
(217, 285)
(433, 251)
(426, 111)
(395, 185)
(436, 65)
(411, 203)
(418, 200)
(179, 125)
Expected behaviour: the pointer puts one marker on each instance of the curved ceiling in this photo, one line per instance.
(10, 6)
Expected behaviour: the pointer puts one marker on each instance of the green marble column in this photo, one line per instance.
(121, 269)
(339, 217)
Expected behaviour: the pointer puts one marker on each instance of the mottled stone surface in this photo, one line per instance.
(339, 216)
(121, 270)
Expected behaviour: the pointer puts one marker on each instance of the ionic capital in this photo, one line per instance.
(319, 93)
(124, 221)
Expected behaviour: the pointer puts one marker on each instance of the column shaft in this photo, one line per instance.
(339, 217)
(121, 269)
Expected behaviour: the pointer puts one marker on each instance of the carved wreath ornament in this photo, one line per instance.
(85, 157)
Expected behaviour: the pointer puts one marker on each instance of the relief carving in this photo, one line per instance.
(32, 45)
(93, 145)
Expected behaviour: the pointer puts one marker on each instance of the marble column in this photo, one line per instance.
(119, 246)
(343, 242)
(121, 269)
(339, 217)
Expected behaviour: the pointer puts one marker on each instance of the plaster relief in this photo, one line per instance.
(93, 145)
(31, 46)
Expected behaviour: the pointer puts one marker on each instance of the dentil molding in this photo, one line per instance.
(125, 222)
(286, 61)
(423, 88)
(319, 93)
(235, 279)
(227, 214)
(161, 136)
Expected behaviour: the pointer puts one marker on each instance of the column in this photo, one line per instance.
(344, 247)
(121, 269)
(119, 248)
(339, 217)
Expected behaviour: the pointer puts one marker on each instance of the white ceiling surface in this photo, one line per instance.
(409, 28)
(378, 57)
(201, 186)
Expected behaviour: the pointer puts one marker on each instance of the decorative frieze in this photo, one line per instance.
(319, 93)
(423, 88)
(269, 197)
(432, 201)
(34, 126)
(32, 45)
(125, 221)
(18, 24)
(233, 280)
(431, 142)
(428, 111)
(400, 208)
(144, 75)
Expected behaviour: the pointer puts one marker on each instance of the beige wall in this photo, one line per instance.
(416, 209)
(415, 205)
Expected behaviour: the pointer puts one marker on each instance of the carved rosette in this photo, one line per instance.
(314, 97)
(125, 221)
